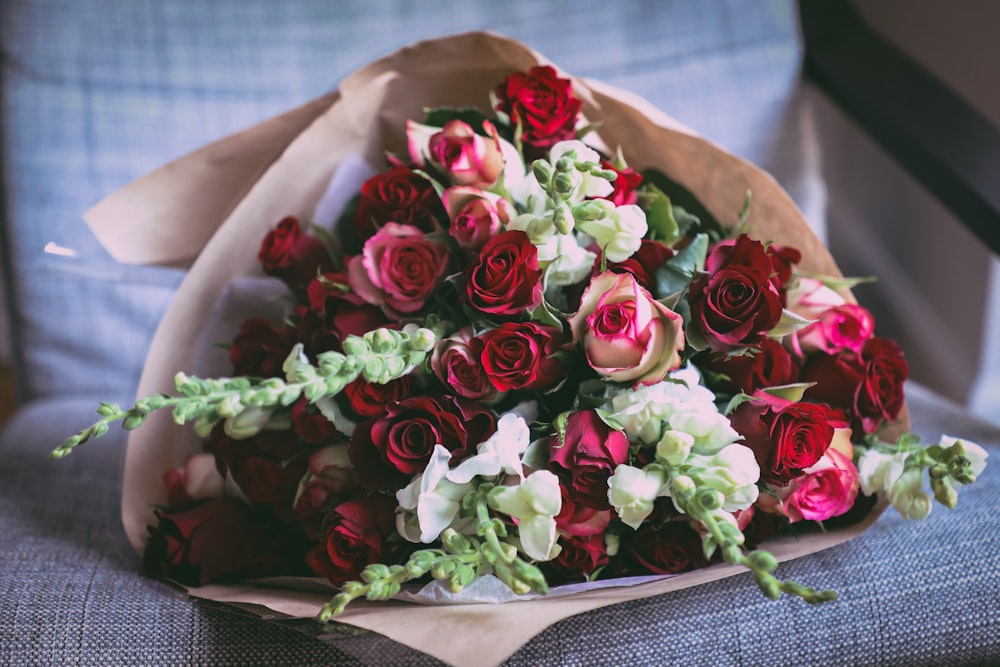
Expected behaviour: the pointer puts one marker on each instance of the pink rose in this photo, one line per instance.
(827, 489)
(457, 363)
(398, 269)
(476, 216)
(839, 325)
(466, 157)
(627, 335)
(330, 476)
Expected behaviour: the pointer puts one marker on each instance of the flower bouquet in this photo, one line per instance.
(496, 334)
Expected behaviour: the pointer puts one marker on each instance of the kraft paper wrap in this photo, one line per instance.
(211, 208)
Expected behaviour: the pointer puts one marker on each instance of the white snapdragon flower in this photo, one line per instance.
(534, 503)
(908, 496)
(501, 452)
(879, 472)
(435, 499)
(632, 491)
(588, 184)
(733, 472)
(568, 262)
(976, 454)
(619, 233)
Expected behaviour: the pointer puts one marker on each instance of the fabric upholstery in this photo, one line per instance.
(94, 94)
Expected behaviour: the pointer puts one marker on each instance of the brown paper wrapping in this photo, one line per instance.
(241, 185)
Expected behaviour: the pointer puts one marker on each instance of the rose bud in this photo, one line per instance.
(330, 475)
(838, 325)
(457, 363)
(466, 158)
(586, 457)
(398, 195)
(627, 335)
(398, 270)
(368, 399)
(309, 423)
(476, 216)
(542, 103)
(292, 255)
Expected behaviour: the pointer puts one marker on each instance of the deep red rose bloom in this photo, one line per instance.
(737, 303)
(292, 255)
(259, 349)
(518, 355)
(266, 481)
(880, 395)
(309, 423)
(389, 450)
(643, 264)
(782, 258)
(340, 312)
(543, 104)
(210, 541)
(669, 549)
(786, 439)
(625, 185)
(397, 195)
(505, 279)
(586, 458)
(771, 366)
(354, 537)
(575, 519)
(580, 557)
(368, 399)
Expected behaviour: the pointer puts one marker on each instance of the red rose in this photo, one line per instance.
(671, 548)
(519, 355)
(292, 255)
(310, 424)
(260, 350)
(737, 303)
(542, 103)
(579, 558)
(398, 270)
(391, 449)
(587, 456)
(399, 195)
(266, 481)
(625, 185)
(214, 540)
(785, 438)
(505, 279)
(339, 311)
(771, 366)
(575, 519)
(354, 538)
(368, 399)
(880, 395)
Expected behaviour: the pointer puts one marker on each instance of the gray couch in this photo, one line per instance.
(96, 93)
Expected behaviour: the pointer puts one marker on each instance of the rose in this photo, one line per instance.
(670, 548)
(585, 457)
(576, 519)
(476, 216)
(505, 279)
(466, 158)
(329, 475)
(839, 325)
(828, 488)
(368, 399)
(309, 423)
(354, 537)
(627, 335)
(457, 363)
(771, 366)
(580, 556)
(213, 540)
(786, 438)
(197, 479)
(625, 184)
(398, 195)
(260, 349)
(292, 255)
(398, 270)
(643, 264)
(520, 355)
(335, 312)
(267, 481)
(542, 104)
(387, 451)
(737, 303)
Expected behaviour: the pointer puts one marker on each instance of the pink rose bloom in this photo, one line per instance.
(627, 335)
(398, 269)
(839, 325)
(827, 489)
(466, 157)
(456, 361)
(476, 216)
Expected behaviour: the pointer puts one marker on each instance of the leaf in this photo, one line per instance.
(789, 323)
(682, 197)
(474, 117)
(789, 392)
(545, 314)
(675, 275)
(735, 402)
(838, 284)
(660, 216)
(686, 222)
(537, 454)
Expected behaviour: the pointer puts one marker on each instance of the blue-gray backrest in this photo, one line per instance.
(97, 93)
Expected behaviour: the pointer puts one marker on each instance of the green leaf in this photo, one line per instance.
(686, 222)
(537, 454)
(660, 216)
(682, 197)
(789, 323)
(474, 117)
(735, 402)
(837, 284)
(790, 392)
(545, 314)
(675, 275)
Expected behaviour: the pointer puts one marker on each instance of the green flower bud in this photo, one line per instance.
(564, 184)
(107, 409)
(769, 586)
(566, 163)
(356, 346)
(353, 588)
(422, 340)
(542, 171)
(944, 492)
(562, 218)
(375, 572)
(682, 487)
(710, 499)
(763, 560)
(330, 363)
(443, 569)
(462, 577)
(230, 407)
(384, 342)
(133, 421)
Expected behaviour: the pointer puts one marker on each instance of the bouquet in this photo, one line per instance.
(516, 358)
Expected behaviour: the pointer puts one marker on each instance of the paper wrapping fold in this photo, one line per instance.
(240, 186)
